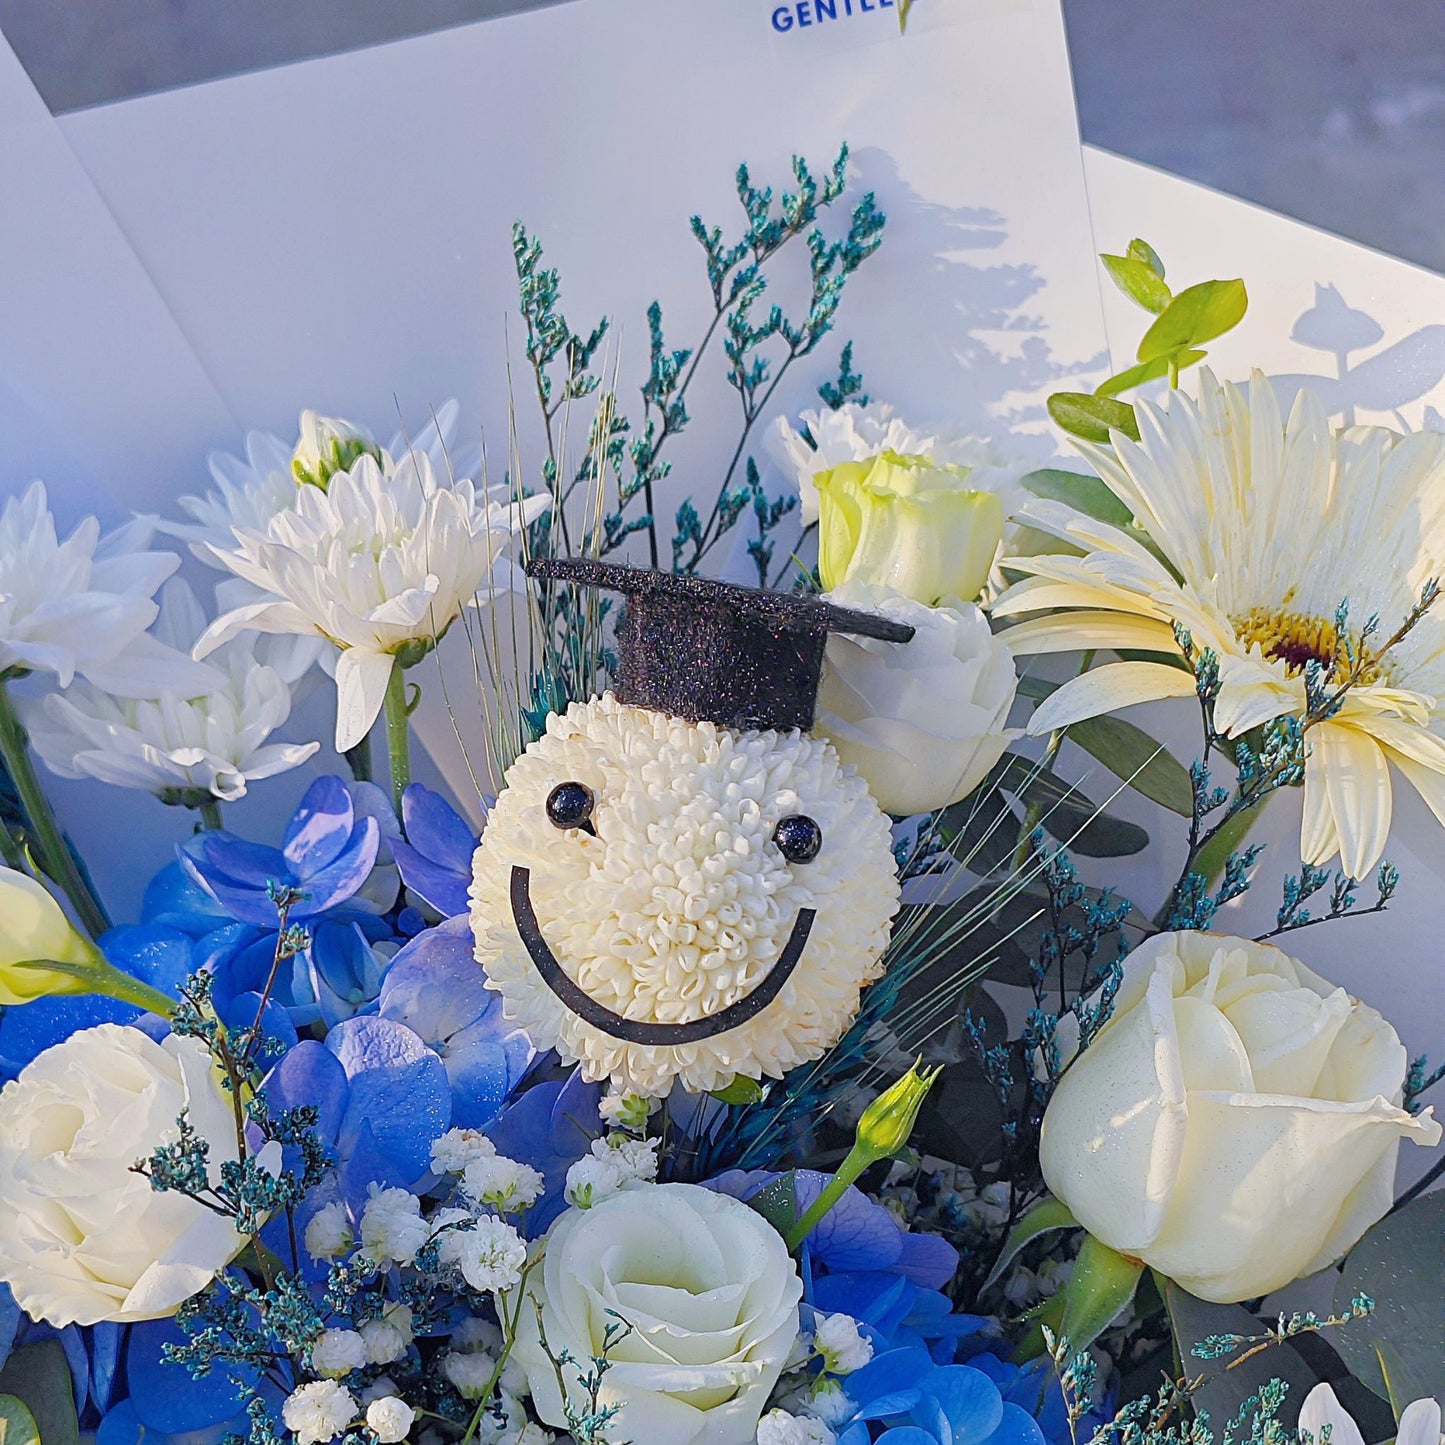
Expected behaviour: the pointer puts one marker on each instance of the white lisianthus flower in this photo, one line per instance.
(380, 564)
(71, 1127)
(837, 1340)
(318, 1412)
(204, 734)
(75, 606)
(392, 1227)
(1234, 1122)
(831, 438)
(390, 1419)
(712, 1296)
(34, 926)
(338, 1352)
(459, 1147)
(328, 1232)
(924, 721)
(778, 1427)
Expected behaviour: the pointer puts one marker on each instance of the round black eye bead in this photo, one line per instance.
(798, 838)
(569, 805)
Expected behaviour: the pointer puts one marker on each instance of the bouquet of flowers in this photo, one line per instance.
(766, 1068)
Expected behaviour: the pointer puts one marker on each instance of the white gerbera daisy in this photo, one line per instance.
(1250, 534)
(379, 563)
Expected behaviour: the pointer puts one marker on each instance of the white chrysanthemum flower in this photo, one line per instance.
(337, 1352)
(1262, 530)
(682, 903)
(75, 606)
(254, 488)
(459, 1147)
(205, 734)
(503, 1184)
(854, 433)
(392, 1227)
(389, 1419)
(843, 1348)
(318, 1412)
(378, 564)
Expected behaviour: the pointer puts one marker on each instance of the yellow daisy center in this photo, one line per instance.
(1298, 639)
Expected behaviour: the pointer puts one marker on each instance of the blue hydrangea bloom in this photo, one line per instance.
(438, 990)
(550, 1126)
(435, 861)
(902, 1397)
(328, 853)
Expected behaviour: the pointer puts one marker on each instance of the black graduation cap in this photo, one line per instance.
(704, 650)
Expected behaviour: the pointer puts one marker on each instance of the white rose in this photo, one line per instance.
(82, 1238)
(1234, 1123)
(922, 722)
(709, 1291)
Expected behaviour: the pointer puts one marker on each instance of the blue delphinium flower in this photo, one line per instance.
(438, 990)
(326, 857)
(435, 861)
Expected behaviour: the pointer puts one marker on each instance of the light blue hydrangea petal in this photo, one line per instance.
(320, 828)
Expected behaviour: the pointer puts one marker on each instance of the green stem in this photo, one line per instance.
(11, 850)
(55, 856)
(856, 1162)
(210, 811)
(101, 976)
(398, 738)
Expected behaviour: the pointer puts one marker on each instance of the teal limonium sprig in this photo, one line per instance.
(1286, 1327)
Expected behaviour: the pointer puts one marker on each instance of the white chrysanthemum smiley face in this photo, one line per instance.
(698, 904)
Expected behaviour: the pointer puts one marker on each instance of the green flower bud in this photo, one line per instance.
(887, 1122)
(328, 445)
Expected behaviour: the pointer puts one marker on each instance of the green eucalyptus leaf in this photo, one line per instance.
(1142, 251)
(777, 1202)
(1399, 1350)
(1132, 755)
(1092, 418)
(1045, 1216)
(1198, 313)
(1139, 281)
(1084, 493)
(1225, 1389)
(740, 1091)
(1102, 1283)
(1149, 371)
(17, 1424)
(39, 1375)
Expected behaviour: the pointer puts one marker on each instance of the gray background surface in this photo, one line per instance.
(1329, 110)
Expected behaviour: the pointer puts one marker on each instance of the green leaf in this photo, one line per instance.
(740, 1091)
(1046, 1215)
(1398, 1264)
(904, 6)
(1142, 251)
(1067, 812)
(1092, 417)
(17, 1424)
(1083, 493)
(777, 1202)
(1226, 1389)
(40, 1377)
(1102, 1283)
(1131, 754)
(1148, 371)
(1139, 281)
(1198, 313)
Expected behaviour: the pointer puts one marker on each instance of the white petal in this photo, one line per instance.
(1107, 689)
(1082, 631)
(361, 679)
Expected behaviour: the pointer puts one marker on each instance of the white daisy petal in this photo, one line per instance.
(1108, 688)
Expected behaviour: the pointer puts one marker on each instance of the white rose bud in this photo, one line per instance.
(721, 1291)
(1234, 1123)
(921, 722)
(389, 1419)
(119, 1094)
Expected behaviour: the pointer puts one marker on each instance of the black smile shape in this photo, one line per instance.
(638, 1031)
